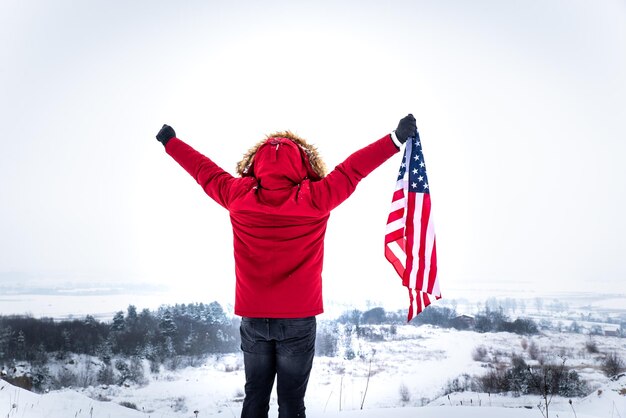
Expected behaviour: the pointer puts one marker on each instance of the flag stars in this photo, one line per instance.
(413, 169)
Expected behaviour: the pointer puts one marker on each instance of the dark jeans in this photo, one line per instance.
(281, 348)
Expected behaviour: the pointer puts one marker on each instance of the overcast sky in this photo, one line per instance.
(520, 105)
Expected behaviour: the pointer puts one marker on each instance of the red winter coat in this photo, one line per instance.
(279, 216)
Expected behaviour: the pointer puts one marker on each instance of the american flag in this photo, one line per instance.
(410, 235)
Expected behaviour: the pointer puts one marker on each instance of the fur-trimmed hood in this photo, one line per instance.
(310, 158)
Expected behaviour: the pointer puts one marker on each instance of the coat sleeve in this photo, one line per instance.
(216, 182)
(339, 184)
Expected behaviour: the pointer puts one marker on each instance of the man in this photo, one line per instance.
(279, 207)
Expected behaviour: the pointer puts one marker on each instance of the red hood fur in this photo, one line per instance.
(282, 159)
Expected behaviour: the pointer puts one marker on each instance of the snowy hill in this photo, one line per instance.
(61, 404)
(609, 401)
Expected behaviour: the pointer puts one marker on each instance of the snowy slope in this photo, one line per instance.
(16, 402)
(610, 402)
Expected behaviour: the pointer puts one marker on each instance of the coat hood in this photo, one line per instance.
(282, 160)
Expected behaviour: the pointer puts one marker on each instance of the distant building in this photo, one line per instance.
(464, 321)
(611, 331)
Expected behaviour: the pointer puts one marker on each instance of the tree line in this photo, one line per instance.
(198, 329)
(181, 329)
(489, 320)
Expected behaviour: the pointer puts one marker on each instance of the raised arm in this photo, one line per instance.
(214, 180)
(337, 186)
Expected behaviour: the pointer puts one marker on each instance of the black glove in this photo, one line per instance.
(406, 127)
(165, 134)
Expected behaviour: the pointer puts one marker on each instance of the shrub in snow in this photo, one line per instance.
(178, 404)
(524, 343)
(41, 377)
(544, 379)
(105, 352)
(533, 351)
(479, 353)
(373, 333)
(613, 365)
(519, 326)
(232, 367)
(106, 375)
(495, 381)
(136, 371)
(327, 339)
(173, 363)
(155, 366)
(497, 321)
(592, 346)
(348, 351)
(575, 328)
(123, 370)
(129, 405)
(462, 383)
(489, 320)
(405, 394)
(65, 378)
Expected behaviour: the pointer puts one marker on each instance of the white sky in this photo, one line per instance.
(520, 106)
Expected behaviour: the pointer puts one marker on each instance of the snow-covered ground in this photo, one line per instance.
(407, 375)
(609, 401)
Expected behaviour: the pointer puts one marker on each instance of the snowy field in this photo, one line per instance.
(419, 360)
(66, 404)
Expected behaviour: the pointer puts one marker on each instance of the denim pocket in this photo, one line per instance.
(298, 336)
(248, 336)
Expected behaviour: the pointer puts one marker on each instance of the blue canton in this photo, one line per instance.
(417, 179)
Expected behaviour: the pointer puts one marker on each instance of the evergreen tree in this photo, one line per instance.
(105, 352)
(66, 347)
(118, 322)
(6, 334)
(167, 325)
(21, 346)
(216, 314)
(131, 316)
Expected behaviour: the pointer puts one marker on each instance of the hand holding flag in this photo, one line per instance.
(407, 127)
